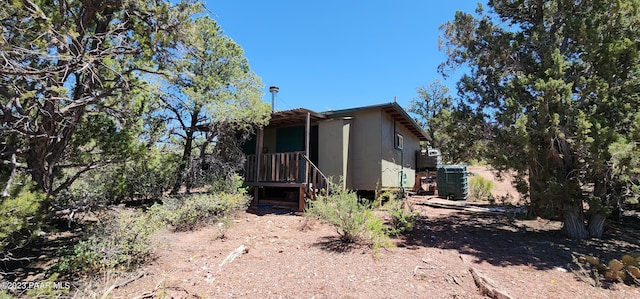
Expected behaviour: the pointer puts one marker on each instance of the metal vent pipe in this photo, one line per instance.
(274, 94)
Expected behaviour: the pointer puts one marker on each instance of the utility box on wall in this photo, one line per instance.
(452, 182)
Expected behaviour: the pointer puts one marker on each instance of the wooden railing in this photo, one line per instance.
(250, 168)
(317, 182)
(276, 167)
(286, 168)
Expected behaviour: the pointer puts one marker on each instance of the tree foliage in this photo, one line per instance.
(214, 97)
(88, 85)
(558, 83)
(449, 125)
(72, 80)
(19, 219)
(92, 97)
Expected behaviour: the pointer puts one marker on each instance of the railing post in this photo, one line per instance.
(306, 145)
(315, 175)
(259, 145)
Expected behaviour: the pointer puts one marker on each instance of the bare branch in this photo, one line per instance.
(86, 168)
(14, 167)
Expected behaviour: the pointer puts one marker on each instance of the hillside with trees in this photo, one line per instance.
(122, 123)
(104, 102)
(552, 93)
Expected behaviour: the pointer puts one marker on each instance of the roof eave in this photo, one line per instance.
(408, 122)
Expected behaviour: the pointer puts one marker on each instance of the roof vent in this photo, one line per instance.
(274, 94)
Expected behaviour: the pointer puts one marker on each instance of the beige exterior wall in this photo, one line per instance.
(359, 146)
(390, 165)
(362, 150)
(395, 162)
(366, 146)
(333, 149)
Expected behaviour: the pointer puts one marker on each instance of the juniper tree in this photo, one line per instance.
(72, 80)
(558, 81)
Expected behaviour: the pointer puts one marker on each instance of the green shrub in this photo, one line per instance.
(402, 218)
(190, 212)
(121, 242)
(345, 212)
(352, 217)
(19, 217)
(378, 234)
(145, 176)
(229, 184)
(480, 189)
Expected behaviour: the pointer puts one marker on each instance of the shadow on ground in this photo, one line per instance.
(262, 210)
(504, 241)
(37, 258)
(336, 244)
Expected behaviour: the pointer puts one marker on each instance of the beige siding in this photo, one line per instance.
(363, 151)
(411, 146)
(391, 167)
(333, 150)
(390, 156)
(366, 147)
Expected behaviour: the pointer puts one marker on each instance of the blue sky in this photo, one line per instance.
(329, 55)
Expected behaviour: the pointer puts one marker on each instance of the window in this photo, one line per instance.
(399, 141)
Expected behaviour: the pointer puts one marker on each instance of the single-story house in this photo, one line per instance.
(369, 148)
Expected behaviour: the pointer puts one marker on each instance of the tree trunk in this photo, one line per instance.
(544, 203)
(186, 156)
(186, 152)
(596, 225)
(599, 211)
(573, 217)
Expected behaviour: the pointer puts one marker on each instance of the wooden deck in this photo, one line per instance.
(276, 167)
(282, 169)
(292, 169)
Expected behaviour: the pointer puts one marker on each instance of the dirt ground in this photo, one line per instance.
(288, 257)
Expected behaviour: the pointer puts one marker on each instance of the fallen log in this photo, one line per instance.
(485, 285)
(486, 288)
